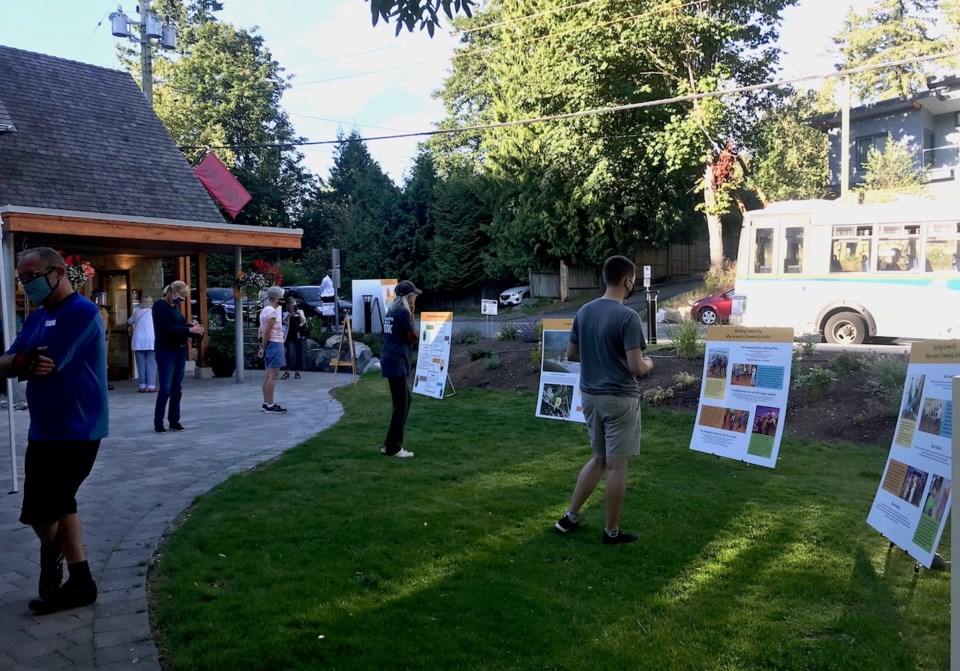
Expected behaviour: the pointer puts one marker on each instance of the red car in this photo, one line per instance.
(713, 309)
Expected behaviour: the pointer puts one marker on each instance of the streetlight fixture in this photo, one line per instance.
(149, 28)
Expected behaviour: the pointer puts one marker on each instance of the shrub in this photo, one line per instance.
(685, 380)
(890, 373)
(720, 278)
(848, 362)
(686, 338)
(817, 381)
(508, 332)
(493, 362)
(657, 395)
(808, 344)
(371, 340)
(477, 353)
(317, 330)
(530, 332)
(467, 336)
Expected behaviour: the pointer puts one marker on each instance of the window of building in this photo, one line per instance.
(865, 144)
(929, 149)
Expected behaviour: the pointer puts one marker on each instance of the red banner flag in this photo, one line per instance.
(222, 185)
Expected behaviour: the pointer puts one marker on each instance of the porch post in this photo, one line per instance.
(9, 328)
(202, 307)
(238, 318)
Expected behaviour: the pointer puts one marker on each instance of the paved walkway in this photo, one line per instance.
(142, 480)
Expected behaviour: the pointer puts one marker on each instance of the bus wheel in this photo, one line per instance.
(845, 328)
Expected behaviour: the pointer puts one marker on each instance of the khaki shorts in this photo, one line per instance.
(613, 423)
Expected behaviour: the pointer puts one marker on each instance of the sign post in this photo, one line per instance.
(488, 307)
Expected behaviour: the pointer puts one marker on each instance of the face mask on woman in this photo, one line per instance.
(177, 300)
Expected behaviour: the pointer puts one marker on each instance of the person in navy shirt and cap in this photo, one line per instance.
(400, 334)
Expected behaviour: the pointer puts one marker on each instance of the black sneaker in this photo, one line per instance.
(263, 408)
(159, 428)
(275, 409)
(177, 426)
(72, 594)
(619, 539)
(51, 571)
(565, 525)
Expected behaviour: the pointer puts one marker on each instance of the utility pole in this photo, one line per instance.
(150, 29)
(844, 139)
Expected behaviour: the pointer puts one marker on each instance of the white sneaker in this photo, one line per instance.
(403, 454)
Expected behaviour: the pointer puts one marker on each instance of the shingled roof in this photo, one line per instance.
(86, 140)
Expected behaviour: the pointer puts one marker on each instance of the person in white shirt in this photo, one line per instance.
(328, 297)
(142, 344)
(271, 348)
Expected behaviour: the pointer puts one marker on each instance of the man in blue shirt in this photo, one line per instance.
(61, 354)
(608, 342)
(399, 336)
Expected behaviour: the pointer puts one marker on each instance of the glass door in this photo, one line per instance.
(115, 303)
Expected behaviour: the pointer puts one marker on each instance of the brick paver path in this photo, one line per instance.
(142, 480)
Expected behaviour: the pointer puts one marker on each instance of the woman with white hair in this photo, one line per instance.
(142, 343)
(271, 348)
(170, 344)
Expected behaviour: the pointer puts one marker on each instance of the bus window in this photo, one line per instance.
(897, 247)
(763, 251)
(793, 247)
(851, 249)
(943, 247)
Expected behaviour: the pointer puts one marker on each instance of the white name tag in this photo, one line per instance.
(50, 322)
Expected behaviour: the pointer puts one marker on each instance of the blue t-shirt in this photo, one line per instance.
(71, 402)
(395, 352)
(605, 330)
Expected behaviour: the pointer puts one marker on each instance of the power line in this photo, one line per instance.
(346, 123)
(343, 56)
(99, 23)
(605, 110)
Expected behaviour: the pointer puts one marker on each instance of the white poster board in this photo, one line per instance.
(433, 356)
(743, 397)
(559, 396)
(382, 292)
(911, 504)
(488, 307)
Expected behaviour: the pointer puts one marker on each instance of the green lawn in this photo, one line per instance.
(334, 557)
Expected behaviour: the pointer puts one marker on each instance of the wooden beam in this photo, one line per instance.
(153, 232)
(202, 307)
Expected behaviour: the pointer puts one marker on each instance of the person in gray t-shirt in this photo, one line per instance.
(608, 342)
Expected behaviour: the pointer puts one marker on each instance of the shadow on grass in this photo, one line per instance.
(334, 556)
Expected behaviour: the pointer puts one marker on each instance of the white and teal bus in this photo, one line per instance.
(853, 272)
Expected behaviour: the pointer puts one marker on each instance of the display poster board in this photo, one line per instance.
(488, 307)
(743, 397)
(384, 291)
(559, 396)
(433, 356)
(913, 498)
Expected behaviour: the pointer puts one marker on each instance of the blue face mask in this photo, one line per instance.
(38, 289)
(177, 300)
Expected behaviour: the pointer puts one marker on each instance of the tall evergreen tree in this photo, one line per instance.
(889, 30)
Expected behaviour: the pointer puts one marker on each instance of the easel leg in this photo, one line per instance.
(449, 384)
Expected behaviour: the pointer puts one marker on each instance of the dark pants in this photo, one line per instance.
(170, 368)
(400, 394)
(294, 354)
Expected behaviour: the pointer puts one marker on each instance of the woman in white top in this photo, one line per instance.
(142, 344)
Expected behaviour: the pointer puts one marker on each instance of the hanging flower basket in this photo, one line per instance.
(78, 270)
(262, 275)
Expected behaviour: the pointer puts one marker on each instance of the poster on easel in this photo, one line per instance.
(743, 395)
(381, 293)
(910, 508)
(559, 394)
(433, 355)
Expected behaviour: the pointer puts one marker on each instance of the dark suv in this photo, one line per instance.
(220, 305)
(308, 298)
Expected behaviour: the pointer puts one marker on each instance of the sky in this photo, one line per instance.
(348, 74)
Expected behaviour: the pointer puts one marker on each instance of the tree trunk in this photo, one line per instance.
(714, 226)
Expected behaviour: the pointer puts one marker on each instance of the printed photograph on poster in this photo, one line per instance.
(725, 419)
(743, 375)
(554, 359)
(911, 399)
(556, 400)
(931, 421)
(913, 486)
(765, 421)
(717, 364)
(936, 503)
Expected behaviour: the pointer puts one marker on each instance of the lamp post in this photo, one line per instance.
(149, 29)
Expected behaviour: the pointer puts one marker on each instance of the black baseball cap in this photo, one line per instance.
(405, 288)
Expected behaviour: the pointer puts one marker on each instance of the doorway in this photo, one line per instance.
(114, 298)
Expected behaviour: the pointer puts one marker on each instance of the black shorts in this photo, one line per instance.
(53, 472)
